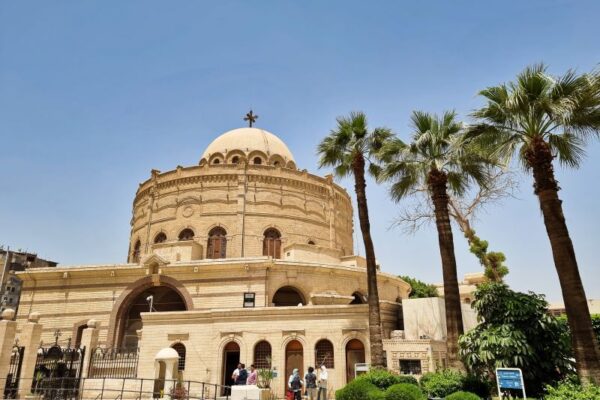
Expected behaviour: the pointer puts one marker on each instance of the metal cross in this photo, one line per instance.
(57, 334)
(251, 118)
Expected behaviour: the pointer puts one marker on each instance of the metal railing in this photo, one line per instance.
(113, 363)
(127, 389)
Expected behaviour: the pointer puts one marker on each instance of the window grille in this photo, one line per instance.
(262, 355)
(180, 349)
(324, 353)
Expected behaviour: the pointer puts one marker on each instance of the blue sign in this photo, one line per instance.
(509, 379)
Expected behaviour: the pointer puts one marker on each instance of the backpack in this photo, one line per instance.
(296, 383)
(242, 377)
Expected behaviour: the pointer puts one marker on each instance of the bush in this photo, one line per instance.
(443, 383)
(383, 378)
(573, 391)
(404, 391)
(473, 384)
(462, 396)
(359, 389)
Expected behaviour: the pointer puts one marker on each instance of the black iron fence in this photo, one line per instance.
(113, 363)
(57, 370)
(11, 386)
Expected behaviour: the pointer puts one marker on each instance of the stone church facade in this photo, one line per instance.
(241, 258)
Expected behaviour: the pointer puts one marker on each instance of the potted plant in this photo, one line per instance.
(178, 391)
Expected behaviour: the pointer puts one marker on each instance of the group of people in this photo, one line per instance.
(241, 376)
(315, 388)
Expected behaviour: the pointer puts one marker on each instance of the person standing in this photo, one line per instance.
(236, 373)
(311, 384)
(295, 384)
(242, 375)
(253, 376)
(323, 377)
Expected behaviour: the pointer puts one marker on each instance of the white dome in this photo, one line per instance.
(167, 353)
(249, 140)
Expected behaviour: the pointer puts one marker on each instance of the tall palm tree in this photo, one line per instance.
(348, 149)
(536, 119)
(439, 159)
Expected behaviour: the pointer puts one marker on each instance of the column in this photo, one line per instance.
(31, 334)
(8, 329)
(89, 340)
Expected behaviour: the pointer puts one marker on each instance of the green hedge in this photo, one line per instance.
(404, 391)
(359, 390)
(383, 378)
(443, 383)
(462, 396)
(572, 391)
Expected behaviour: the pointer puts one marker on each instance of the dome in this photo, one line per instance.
(248, 141)
(167, 353)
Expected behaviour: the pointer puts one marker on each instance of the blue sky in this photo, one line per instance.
(93, 95)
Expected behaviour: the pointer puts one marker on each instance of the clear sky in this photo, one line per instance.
(95, 94)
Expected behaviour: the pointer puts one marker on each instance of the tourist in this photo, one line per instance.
(253, 377)
(242, 375)
(311, 384)
(323, 376)
(236, 373)
(295, 384)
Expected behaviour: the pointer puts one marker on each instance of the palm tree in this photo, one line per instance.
(348, 149)
(439, 159)
(536, 119)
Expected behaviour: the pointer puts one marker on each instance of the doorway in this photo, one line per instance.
(294, 358)
(231, 359)
(355, 354)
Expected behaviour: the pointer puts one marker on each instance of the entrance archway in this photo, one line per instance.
(288, 296)
(231, 358)
(161, 298)
(355, 354)
(294, 358)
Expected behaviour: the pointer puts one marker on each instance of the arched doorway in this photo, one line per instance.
(355, 354)
(358, 298)
(294, 358)
(162, 298)
(288, 296)
(272, 243)
(231, 358)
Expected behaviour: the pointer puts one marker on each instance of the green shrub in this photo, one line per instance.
(404, 391)
(480, 387)
(383, 378)
(358, 389)
(443, 383)
(462, 396)
(573, 391)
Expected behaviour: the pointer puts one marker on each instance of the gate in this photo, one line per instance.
(57, 372)
(14, 372)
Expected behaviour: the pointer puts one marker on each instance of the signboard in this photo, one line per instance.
(509, 380)
(360, 368)
(249, 298)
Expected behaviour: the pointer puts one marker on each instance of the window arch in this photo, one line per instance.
(288, 296)
(262, 355)
(257, 160)
(217, 243)
(216, 161)
(235, 159)
(272, 243)
(180, 349)
(161, 237)
(186, 234)
(137, 248)
(324, 353)
(311, 242)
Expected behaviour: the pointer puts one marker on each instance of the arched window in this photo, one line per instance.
(216, 161)
(186, 234)
(180, 349)
(257, 160)
(160, 238)
(137, 248)
(235, 160)
(262, 355)
(217, 243)
(80, 330)
(324, 353)
(311, 242)
(288, 296)
(272, 243)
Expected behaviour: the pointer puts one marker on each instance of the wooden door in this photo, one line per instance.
(355, 354)
(294, 358)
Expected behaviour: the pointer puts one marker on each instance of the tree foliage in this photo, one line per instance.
(419, 289)
(515, 330)
(492, 261)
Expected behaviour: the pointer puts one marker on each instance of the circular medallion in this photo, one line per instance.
(188, 212)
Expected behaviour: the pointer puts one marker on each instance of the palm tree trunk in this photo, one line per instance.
(375, 333)
(437, 182)
(585, 347)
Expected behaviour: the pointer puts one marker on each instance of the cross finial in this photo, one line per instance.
(251, 118)
(57, 334)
